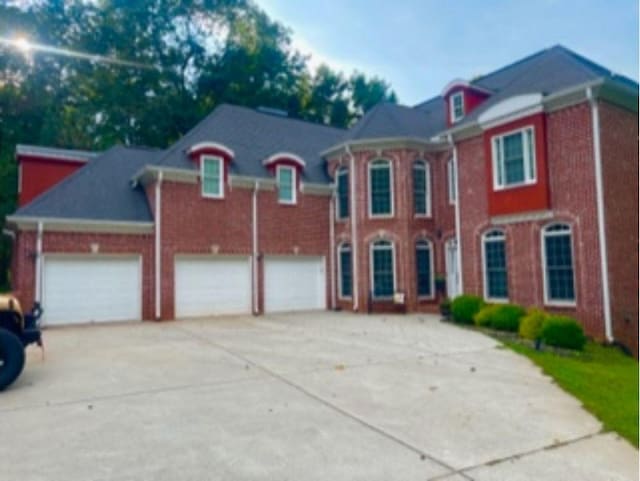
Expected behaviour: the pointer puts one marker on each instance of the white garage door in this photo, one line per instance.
(294, 283)
(208, 286)
(83, 289)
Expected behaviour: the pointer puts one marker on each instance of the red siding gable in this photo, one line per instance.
(40, 174)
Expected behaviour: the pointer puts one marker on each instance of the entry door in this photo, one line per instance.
(452, 268)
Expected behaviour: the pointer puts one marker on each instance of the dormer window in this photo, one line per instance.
(212, 176)
(286, 176)
(456, 106)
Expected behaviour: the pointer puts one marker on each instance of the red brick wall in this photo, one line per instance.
(23, 262)
(39, 175)
(619, 144)
(572, 198)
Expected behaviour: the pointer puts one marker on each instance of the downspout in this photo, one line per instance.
(158, 252)
(354, 227)
(38, 294)
(459, 283)
(254, 247)
(332, 247)
(602, 237)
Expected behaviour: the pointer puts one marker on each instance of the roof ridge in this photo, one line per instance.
(287, 117)
(366, 119)
(513, 64)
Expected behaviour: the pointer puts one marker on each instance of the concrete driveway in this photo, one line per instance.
(322, 396)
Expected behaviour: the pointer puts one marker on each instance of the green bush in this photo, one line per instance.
(483, 316)
(563, 331)
(531, 324)
(464, 307)
(506, 317)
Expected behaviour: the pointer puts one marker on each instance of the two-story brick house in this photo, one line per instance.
(519, 186)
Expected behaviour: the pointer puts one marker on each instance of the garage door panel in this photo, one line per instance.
(294, 283)
(91, 289)
(212, 286)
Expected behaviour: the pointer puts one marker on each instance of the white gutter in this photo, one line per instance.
(254, 247)
(459, 283)
(158, 246)
(38, 294)
(9, 233)
(332, 250)
(354, 226)
(602, 237)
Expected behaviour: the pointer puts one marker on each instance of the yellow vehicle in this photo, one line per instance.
(17, 331)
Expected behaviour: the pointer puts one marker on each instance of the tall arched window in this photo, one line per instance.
(494, 263)
(345, 279)
(382, 265)
(380, 188)
(421, 188)
(342, 194)
(557, 260)
(424, 268)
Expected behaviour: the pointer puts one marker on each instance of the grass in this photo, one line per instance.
(602, 378)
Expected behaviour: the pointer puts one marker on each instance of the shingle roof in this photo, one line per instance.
(255, 136)
(98, 191)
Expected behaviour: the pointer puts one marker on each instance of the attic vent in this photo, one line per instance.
(272, 111)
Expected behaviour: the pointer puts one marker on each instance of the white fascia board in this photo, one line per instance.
(79, 225)
(428, 145)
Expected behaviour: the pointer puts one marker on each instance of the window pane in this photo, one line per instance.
(345, 273)
(532, 159)
(513, 158)
(496, 269)
(285, 187)
(423, 269)
(497, 147)
(343, 195)
(559, 267)
(382, 272)
(419, 189)
(211, 176)
(380, 190)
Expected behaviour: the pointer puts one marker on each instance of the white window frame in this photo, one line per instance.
(372, 276)
(545, 287)
(485, 288)
(341, 247)
(452, 182)
(340, 172)
(529, 158)
(294, 184)
(452, 104)
(220, 160)
(426, 244)
(427, 187)
(370, 167)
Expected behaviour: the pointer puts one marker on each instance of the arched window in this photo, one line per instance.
(382, 265)
(421, 188)
(557, 260)
(342, 198)
(494, 263)
(380, 188)
(345, 282)
(424, 268)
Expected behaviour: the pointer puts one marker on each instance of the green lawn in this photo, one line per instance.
(602, 378)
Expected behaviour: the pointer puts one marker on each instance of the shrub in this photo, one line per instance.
(531, 324)
(464, 307)
(563, 331)
(484, 315)
(506, 317)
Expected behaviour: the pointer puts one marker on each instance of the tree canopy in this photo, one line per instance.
(173, 62)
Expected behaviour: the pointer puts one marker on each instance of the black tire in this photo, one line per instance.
(11, 358)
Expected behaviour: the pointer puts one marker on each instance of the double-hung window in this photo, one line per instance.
(494, 254)
(286, 184)
(514, 159)
(421, 189)
(345, 287)
(380, 188)
(456, 106)
(557, 255)
(382, 269)
(424, 268)
(212, 176)
(342, 181)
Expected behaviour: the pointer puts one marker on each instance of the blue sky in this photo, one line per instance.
(420, 45)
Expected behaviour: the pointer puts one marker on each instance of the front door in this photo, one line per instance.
(452, 267)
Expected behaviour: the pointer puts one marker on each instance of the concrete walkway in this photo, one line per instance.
(321, 396)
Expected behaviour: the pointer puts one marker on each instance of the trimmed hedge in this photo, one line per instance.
(502, 317)
(464, 307)
(531, 324)
(484, 315)
(563, 331)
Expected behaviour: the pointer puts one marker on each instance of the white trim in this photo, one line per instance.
(341, 171)
(449, 245)
(354, 228)
(451, 182)
(332, 254)
(158, 246)
(485, 280)
(38, 279)
(391, 214)
(458, 225)
(339, 249)
(429, 246)
(294, 184)
(282, 156)
(602, 236)
(522, 217)
(80, 225)
(211, 145)
(204, 158)
(452, 106)
(372, 270)
(254, 248)
(459, 82)
(426, 167)
(428, 145)
(528, 158)
(545, 287)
